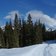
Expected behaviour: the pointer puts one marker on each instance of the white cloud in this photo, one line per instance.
(11, 15)
(3, 27)
(36, 15)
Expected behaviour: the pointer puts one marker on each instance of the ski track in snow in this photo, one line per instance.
(47, 50)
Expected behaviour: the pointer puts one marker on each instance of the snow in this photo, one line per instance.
(34, 50)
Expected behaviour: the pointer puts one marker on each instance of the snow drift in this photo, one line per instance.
(34, 50)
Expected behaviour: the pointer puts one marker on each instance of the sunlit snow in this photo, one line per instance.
(34, 50)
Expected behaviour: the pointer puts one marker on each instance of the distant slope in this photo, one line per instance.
(51, 41)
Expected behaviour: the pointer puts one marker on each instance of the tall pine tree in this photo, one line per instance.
(29, 30)
(16, 30)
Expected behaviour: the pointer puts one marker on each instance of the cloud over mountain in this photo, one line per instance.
(36, 15)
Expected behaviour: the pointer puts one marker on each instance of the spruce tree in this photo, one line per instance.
(16, 31)
(43, 32)
(1, 38)
(29, 30)
(39, 33)
(20, 33)
(6, 35)
(24, 37)
(10, 36)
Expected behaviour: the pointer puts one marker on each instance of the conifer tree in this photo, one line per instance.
(29, 30)
(16, 31)
(1, 38)
(39, 33)
(20, 33)
(6, 35)
(10, 35)
(24, 37)
(43, 32)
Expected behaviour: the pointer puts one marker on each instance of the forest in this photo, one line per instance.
(24, 33)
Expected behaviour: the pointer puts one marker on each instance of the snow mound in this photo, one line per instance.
(35, 50)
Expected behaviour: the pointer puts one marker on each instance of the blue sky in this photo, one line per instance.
(48, 7)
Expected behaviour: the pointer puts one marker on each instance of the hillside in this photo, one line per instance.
(35, 50)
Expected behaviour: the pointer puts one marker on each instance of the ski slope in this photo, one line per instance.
(34, 50)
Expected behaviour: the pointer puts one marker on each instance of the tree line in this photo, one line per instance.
(24, 33)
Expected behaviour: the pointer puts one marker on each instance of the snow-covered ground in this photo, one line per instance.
(34, 50)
